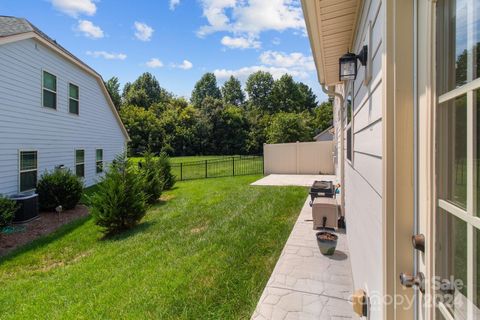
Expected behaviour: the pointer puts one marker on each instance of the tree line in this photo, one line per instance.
(218, 120)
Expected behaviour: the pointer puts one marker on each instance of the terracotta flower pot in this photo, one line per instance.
(327, 242)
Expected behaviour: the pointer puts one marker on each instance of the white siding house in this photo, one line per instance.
(406, 133)
(52, 106)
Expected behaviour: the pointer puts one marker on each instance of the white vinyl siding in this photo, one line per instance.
(24, 125)
(363, 175)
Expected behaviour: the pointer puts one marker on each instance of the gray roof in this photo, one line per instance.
(10, 26)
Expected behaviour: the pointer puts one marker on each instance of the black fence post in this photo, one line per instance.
(233, 166)
(181, 171)
(206, 168)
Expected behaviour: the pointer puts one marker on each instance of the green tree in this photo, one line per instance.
(322, 117)
(144, 129)
(232, 92)
(113, 88)
(144, 92)
(289, 127)
(286, 95)
(230, 130)
(259, 86)
(308, 98)
(205, 87)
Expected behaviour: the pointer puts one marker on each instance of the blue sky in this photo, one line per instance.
(177, 40)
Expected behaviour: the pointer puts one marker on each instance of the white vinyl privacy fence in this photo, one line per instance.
(299, 158)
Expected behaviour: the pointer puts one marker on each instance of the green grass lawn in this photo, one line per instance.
(205, 252)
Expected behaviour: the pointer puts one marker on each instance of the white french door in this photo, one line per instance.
(457, 218)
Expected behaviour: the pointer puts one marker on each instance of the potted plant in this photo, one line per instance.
(327, 242)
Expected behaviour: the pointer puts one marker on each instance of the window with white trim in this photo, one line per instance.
(28, 171)
(73, 99)
(99, 160)
(80, 163)
(49, 92)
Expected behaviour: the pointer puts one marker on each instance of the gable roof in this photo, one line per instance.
(15, 29)
(328, 130)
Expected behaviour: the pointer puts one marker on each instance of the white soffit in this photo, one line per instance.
(331, 27)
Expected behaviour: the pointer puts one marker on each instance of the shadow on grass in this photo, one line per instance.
(122, 235)
(46, 239)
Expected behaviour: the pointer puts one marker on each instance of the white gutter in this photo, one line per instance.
(341, 154)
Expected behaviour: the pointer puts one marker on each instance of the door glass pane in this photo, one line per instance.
(461, 36)
(476, 162)
(453, 152)
(451, 261)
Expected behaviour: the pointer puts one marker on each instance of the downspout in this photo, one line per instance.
(341, 154)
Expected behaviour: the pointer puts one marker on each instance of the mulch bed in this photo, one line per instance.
(46, 223)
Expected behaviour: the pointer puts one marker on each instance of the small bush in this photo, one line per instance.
(152, 175)
(59, 187)
(166, 171)
(7, 211)
(120, 201)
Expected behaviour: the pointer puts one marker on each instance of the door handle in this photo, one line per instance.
(410, 281)
(418, 242)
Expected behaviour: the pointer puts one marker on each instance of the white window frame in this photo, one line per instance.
(20, 171)
(79, 163)
(70, 98)
(56, 92)
(96, 161)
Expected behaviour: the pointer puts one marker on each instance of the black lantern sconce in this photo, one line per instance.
(348, 64)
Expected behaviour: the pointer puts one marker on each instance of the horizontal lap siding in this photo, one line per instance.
(55, 134)
(363, 176)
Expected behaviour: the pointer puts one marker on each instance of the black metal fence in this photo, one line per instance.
(221, 167)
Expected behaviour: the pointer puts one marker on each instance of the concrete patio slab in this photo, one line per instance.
(292, 180)
(306, 284)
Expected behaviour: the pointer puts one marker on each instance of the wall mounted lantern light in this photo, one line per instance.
(348, 64)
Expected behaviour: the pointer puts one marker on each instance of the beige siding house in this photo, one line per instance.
(406, 148)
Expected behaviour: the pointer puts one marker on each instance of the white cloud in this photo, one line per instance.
(174, 4)
(107, 55)
(241, 42)
(89, 30)
(154, 63)
(251, 16)
(75, 7)
(185, 65)
(292, 60)
(143, 31)
(277, 63)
